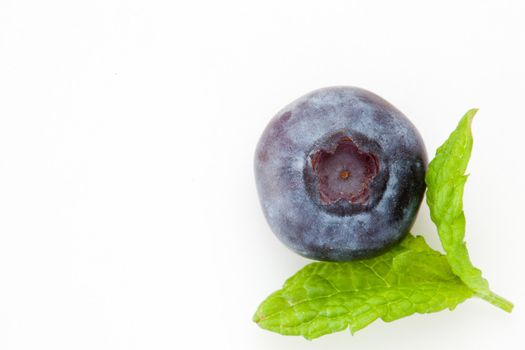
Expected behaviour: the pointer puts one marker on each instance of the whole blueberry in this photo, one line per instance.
(340, 174)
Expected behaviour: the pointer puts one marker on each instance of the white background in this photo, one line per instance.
(128, 212)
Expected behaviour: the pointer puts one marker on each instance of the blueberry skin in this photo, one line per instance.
(330, 224)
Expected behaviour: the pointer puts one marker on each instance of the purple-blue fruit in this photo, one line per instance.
(340, 174)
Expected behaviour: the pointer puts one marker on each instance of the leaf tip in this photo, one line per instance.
(470, 114)
(257, 318)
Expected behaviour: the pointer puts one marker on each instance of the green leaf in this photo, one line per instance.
(446, 180)
(326, 297)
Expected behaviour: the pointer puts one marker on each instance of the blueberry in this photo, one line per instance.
(340, 174)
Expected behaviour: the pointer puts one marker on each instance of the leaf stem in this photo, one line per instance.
(497, 301)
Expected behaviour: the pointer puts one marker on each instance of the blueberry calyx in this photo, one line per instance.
(344, 172)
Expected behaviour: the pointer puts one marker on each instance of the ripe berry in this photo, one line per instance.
(340, 174)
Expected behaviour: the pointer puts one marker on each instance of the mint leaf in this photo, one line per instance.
(326, 297)
(446, 180)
